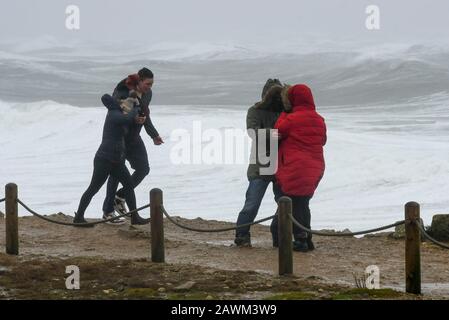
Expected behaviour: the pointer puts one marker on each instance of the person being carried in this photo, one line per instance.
(135, 151)
(109, 160)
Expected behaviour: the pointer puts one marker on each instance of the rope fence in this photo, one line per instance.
(79, 224)
(343, 234)
(172, 220)
(428, 237)
(2, 200)
(414, 228)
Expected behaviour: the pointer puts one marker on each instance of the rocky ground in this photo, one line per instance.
(114, 264)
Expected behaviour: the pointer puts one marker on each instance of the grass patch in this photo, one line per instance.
(362, 293)
(292, 295)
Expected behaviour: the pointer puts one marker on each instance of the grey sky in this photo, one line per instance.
(233, 20)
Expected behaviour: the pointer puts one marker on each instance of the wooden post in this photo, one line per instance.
(412, 249)
(157, 226)
(11, 216)
(285, 237)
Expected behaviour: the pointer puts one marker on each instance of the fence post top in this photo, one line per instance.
(156, 190)
(11, 185)
(412, 204)
(285, 199)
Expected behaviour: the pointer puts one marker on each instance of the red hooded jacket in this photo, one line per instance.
(303, 135)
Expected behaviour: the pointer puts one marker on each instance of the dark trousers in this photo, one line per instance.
(301, 212)
(102, 170)
(254, 195)
(136, 154)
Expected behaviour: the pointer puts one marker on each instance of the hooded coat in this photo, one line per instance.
(303, 135)
(116, 126)
(262, 117)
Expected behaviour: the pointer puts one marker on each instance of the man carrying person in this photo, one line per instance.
(136, 153)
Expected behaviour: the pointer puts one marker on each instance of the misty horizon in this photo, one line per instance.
(200, 21)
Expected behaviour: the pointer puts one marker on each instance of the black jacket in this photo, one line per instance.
(116, 126)
(121, 91)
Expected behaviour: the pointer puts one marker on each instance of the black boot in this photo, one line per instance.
(275, 240)
(138, 220)
(243, 240)
(310, 243)
(300, 243)
(81, 222)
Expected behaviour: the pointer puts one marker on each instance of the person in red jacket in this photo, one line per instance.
(302, 134)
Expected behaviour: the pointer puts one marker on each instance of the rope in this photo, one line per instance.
(423, 231)
(212, 230)
(78, 224)
(2, 199)
(343, 234)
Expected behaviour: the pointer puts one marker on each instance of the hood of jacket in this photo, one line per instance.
(271, 98)
(298, 95)
(110, 103)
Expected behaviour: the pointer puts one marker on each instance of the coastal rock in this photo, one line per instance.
(186, 286)
(399, 232)
(440, 227)
(4, 270)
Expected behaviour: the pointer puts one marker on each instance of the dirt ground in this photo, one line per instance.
(115, 263)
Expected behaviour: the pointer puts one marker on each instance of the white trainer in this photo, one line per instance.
(112, 215)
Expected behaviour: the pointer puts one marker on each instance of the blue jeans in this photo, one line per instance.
(254, 195)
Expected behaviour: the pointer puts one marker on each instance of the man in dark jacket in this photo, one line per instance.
(136, 153)
(261, 117)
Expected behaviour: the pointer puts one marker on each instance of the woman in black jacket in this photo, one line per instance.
(110, 159)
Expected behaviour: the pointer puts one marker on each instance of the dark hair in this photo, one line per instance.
(145, 73)
(270, 83)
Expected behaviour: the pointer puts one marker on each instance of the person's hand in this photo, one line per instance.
(140, 120)
(158, 141)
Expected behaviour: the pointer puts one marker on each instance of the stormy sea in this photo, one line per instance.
(386, 109)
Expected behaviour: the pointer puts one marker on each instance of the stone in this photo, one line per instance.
(186, 286)
(4, 270)
(439, 230)
(399, 232)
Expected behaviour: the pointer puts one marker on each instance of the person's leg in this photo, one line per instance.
(254, 195)
(274, 223)
(108, 204)
(102, 168)
(122, 174)
(137, 156)
(301, 213)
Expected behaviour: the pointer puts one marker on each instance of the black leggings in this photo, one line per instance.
(102, 170)
(137, 156)
(301, 213)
